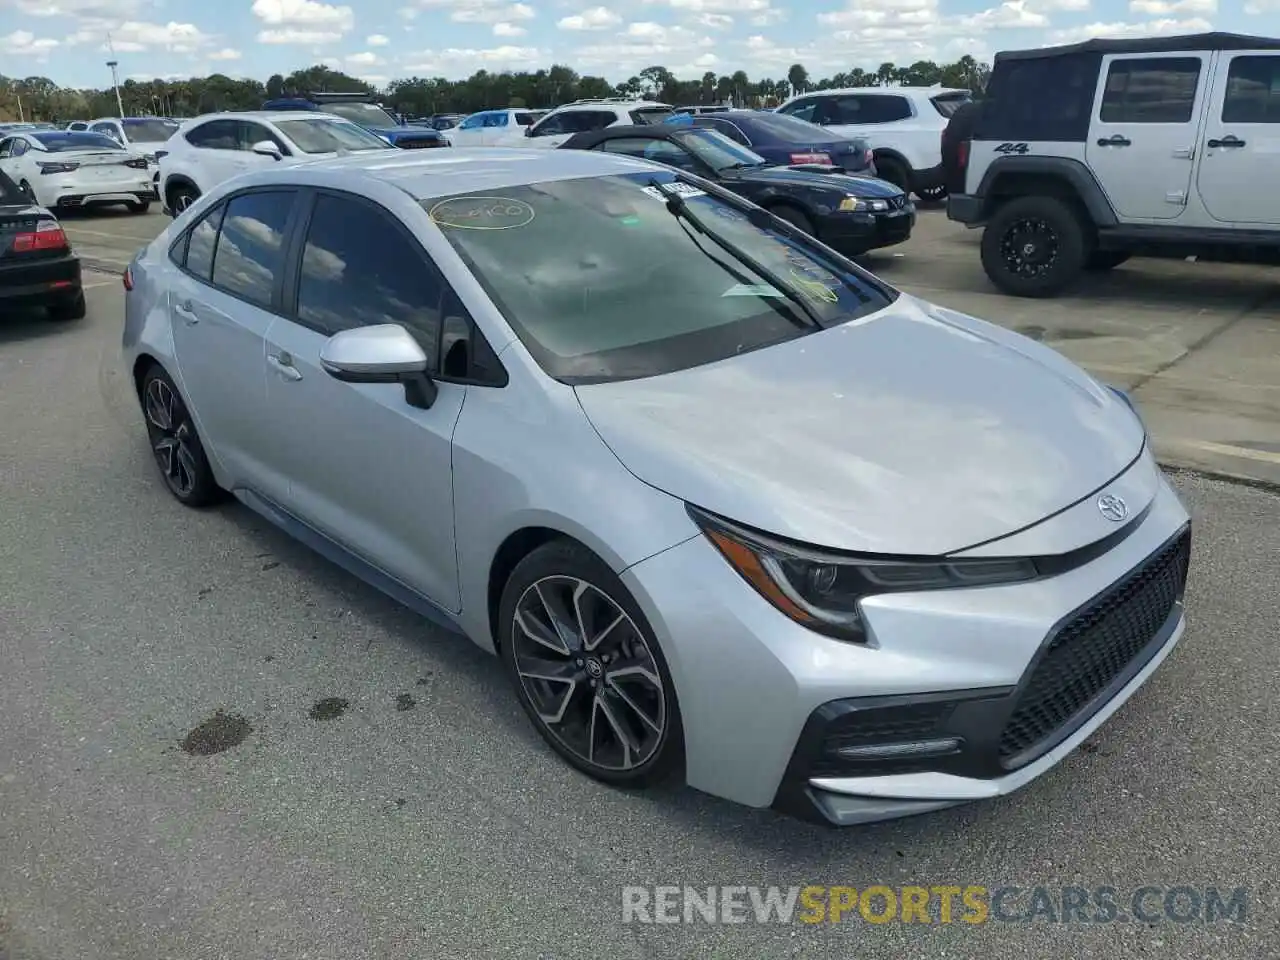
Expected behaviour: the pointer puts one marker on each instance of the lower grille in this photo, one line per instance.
(901, 723)
(1092, 650)
(418, 144)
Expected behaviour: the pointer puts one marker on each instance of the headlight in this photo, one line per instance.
(823, 590)
(850, 204)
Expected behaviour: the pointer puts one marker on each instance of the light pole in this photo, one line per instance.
(113, 63)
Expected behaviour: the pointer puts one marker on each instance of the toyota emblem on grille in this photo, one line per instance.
(1112, 507)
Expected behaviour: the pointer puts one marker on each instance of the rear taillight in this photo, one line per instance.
(46, 236)
(48, 167)
(962, 154)
(810, 158)
(160, 154)
(136, 163)
(127, 279)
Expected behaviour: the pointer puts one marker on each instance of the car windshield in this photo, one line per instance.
(61, 141)
(948, 103)
(601, 282)
(787, 129)
(365, 114)
(718, 151)
(319, 135)
(150, 130)
(652, 115)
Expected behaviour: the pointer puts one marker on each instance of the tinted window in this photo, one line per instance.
(1158, 90)
(250, 133)
(56, 142)
(646, 115)
(323, 135)
(552, 126)
(781, 128)
(215, 135)
(1040, 98)
(801, 109)
(1253, 91)
(730, 130)
(524, 119)
(250, 253)
(948, 103)
(103, 128)
(601, 282)
(659, 151)
(869, 108)
(149, 130)
(360, 268)
(365, 114)
(203, 240)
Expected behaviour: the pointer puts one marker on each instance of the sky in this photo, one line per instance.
(381, 40)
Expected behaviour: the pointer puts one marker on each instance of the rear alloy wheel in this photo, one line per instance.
(174, 442)
(1034, 247)
(587, 668)
(138, 206)
(182, 197)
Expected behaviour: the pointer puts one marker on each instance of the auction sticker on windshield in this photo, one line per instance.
(676, 188)
(482, 213)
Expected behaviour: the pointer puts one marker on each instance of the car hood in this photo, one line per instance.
(916, 430)
(402, 132)
(805, 176)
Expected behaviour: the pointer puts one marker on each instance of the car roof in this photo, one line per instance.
(1165, 44)
(425, 174)
(912, 93)
(270, 116)
(616, 104)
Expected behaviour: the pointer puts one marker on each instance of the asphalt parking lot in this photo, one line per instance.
(425, 819)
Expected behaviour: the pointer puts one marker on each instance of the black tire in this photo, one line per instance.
(1102, 260)
(895, 172)
(932, 194)
(796, 218)
(1034, 246)
(72, 308)
(138, 206)
(182, 461)
(181, 197)
(545, 578)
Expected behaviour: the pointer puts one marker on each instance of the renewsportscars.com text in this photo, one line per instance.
(937, 904)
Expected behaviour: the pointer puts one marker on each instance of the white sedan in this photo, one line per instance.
(211, 149)
(61, 170)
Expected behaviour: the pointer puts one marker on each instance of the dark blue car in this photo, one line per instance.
(789, 141)
(360, 109)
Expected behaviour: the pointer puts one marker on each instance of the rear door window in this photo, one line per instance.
(214, 135)
(867, 108)
(250, 250)
(948, 103)
(1150, 90)
(1253, 90)
(201, 243)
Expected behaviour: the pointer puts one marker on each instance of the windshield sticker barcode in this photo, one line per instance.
(679, 189)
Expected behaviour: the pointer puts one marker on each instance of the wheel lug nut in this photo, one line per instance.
(578, 661)
(593, 684)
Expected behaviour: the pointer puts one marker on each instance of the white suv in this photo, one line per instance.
(1080, 157)
(583, 115)
(902, 125)
(218, 146)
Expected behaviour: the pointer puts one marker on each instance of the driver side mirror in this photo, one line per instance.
(528, 131)
(265, 148)
(383, 353)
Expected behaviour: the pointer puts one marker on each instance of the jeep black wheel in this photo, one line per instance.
(932, 194)
(1034, 247)
(1102, 260)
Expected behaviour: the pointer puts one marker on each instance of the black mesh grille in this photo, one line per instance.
(896, 724)
(898, 202)
(1094, 648)
(417, 144)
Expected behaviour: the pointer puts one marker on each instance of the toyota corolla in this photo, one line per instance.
(727, 506)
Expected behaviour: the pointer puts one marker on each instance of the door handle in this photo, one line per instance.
(283, 364)
(186, 312)
(1228, 141)
(1114, 141)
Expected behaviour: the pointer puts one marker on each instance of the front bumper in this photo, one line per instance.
(855, 233)
(38, 282)
(767, 704)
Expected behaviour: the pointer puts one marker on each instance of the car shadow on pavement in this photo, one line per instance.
(32, 325)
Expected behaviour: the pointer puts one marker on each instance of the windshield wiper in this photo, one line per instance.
(744, 165)
(679, 208)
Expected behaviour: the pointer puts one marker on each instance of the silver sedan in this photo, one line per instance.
(727, 506)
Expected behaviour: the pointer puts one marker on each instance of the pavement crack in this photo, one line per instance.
(1197, 345)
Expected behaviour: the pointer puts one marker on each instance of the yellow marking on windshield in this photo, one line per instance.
(482, 213)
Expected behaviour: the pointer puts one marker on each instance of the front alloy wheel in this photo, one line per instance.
(589, 673)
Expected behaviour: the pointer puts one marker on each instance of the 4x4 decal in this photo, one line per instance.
(1013, 148)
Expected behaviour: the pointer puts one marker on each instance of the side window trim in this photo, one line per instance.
(1127, 63)
(291, 276)
(219, 210)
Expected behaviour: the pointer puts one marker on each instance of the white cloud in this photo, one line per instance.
(1255, 7)
(134, 36)
(23, 43)
(1012, 14)
(508, 30)
(1153, 28)
(304, 13)
(474, 11)
(716, 21)
(595, 18)
(116, 9)
(458, 62)
(365, 59)
(377, 40)
(226, 53)
(1164, 8)
(1049, 5)
(646, 30)
(309, 37)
